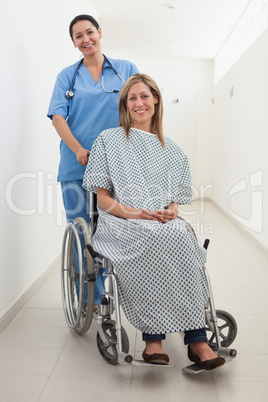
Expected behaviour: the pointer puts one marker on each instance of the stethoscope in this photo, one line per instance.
(70, 93)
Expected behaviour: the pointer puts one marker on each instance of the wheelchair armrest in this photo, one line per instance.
(93, 212)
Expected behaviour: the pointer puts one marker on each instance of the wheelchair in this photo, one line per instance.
(80, 265)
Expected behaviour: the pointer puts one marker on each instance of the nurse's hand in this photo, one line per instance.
(82, 156)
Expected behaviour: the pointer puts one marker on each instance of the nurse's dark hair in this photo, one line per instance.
(82, 17)
(125, 117)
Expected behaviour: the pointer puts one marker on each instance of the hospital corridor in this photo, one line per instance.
(209, 59)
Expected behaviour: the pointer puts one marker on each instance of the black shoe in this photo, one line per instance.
(156, 358)
(207, 364)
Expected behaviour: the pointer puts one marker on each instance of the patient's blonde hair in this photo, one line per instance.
(125, 117)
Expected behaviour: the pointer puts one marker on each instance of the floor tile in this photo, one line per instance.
(186, 390)
(35, 337)
(21, 388)
(45, 300)
(76, 363)
(221, 276)
(253, 277)
(245, 367)
(72, 389)
(39, 318)
(252, 342)
(248, 322)
(232, 300)
(257, 299)
(28, 361)
(241, 391)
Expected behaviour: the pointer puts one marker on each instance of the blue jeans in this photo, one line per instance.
(195, 335)
(76, 204)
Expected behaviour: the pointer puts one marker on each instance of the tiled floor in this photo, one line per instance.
(42, 360)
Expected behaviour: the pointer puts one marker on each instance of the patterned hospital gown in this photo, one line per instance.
(159, 265)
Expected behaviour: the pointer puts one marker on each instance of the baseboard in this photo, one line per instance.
(11, 313)
(238, 226)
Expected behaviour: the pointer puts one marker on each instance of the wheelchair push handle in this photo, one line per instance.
(206, 243)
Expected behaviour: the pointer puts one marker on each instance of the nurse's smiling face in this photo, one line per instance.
(86, 37)
(141, 105)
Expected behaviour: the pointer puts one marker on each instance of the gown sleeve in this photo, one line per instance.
(179, 176)
(97, 172)
(183, 193)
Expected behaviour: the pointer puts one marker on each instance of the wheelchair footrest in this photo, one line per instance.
(127, 359)
(193, 369)
(227, 354)
(142, 363)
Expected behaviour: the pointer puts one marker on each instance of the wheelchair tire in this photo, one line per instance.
(71, 272)
(89, 277)
(77, 266)
(109, 353)
(227, 330)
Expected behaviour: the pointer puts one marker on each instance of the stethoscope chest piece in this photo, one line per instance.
(69, 94)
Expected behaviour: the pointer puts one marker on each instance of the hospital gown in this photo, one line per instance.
(161, 284)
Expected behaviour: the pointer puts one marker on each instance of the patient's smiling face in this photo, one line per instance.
(141, 105)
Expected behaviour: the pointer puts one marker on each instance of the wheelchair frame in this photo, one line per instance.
(79, 268)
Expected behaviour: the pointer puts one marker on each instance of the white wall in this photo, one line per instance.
(240, 162)
(35, 46)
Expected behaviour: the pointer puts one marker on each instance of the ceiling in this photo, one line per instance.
(167, 28)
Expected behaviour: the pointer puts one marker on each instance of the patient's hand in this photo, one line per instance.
(149, 215)
(166, 214)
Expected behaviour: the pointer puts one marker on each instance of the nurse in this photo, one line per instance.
(83, 104)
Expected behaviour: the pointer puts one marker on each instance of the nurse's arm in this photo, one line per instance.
(66, 135)
(113, 207)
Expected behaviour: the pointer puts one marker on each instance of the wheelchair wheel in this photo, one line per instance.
(78, 276)
(109, 353)
(227, 330)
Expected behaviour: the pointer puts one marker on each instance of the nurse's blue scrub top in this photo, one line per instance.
(90, 111)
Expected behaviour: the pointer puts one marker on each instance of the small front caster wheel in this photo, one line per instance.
(227, 328)
(110, 352)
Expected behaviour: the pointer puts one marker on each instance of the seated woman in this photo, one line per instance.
(140, 178)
